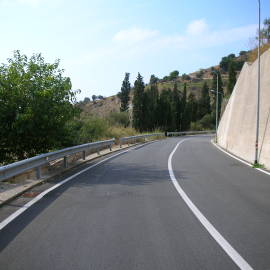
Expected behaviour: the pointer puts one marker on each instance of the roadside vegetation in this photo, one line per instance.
(39, 111)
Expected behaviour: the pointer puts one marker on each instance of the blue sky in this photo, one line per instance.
(98, 41)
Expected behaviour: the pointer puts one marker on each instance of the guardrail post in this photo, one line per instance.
(120, 142)
(65, 162)
(38, 172)
(98, 151)
(84, 155)
(110, 148)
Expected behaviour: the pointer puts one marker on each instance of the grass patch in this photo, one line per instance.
(258, 166)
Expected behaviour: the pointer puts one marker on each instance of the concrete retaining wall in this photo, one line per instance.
(237, 128)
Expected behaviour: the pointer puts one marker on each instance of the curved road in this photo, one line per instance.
(127, 214)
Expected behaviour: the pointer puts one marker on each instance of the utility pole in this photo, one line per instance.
(217, 93)
(259, 86)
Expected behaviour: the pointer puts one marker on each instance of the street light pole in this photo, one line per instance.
(216, 105)
(217, 109)
(259, 85)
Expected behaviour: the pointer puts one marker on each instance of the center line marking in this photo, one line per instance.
(225, 245)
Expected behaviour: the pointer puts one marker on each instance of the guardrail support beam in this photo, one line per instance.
(65, 162)
(38, 172)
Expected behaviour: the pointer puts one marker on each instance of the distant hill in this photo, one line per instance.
(194, 82)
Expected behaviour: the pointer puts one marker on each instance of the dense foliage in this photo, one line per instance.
(172, 109)
(124, 94)
(36, 104)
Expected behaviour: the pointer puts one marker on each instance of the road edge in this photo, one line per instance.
(209, 227)
(238, 158)
(42, 181)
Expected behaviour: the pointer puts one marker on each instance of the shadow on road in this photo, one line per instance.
(117, 172)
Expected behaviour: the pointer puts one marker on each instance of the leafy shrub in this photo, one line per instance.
(93, 129)
(206, 122)
(36, 103)
(119, 119)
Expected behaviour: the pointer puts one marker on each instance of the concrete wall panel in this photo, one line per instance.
(237, 128)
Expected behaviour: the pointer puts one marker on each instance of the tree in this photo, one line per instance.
(94, 98)
(150, 108)
(173, 75)
(204, 106)
(184, 112)
(232, 78)
(86, 100)
(224, 63)
(185, 77)
(100, 97)
(265, 32)
(36, 104)
(190, 110)
(138, 101)
(153, 79)
(243, 53)
(176, 108)
(164, 112)
(124, 94)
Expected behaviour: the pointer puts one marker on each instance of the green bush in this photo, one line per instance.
(93, 129)
(206, 122)
(196, 126)
(36, 104)
(119, 119)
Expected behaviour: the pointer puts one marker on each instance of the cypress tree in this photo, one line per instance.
(232, 78)
(165, 110)
(184, 111)
(176, 108)
(150, 107)
(190, 111)
(124, 94)
(138, 104)
(204, 106)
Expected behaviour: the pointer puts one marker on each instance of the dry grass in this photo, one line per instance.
(253, 55)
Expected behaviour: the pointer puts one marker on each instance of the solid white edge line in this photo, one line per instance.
(6, 221)
(225, 245)
(233, 156)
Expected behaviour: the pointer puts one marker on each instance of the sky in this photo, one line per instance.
(97, 41)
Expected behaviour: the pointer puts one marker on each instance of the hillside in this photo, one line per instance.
(194, 82)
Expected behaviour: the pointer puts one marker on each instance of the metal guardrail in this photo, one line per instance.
(136, 138)
(37, 162)
(182, 133)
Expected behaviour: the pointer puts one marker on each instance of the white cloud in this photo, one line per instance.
(198, 35)
(135, 43)
(197, 27)
(134, 35)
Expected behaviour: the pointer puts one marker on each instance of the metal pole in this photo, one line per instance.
(217, 107)
(259, 86)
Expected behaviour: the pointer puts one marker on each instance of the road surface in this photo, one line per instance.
(126, 213)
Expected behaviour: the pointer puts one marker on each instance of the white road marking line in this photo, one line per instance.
(245, 162)
(6, 221)
(229, 154)
(225, 245)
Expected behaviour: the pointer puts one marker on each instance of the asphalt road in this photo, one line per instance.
(126, 214)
